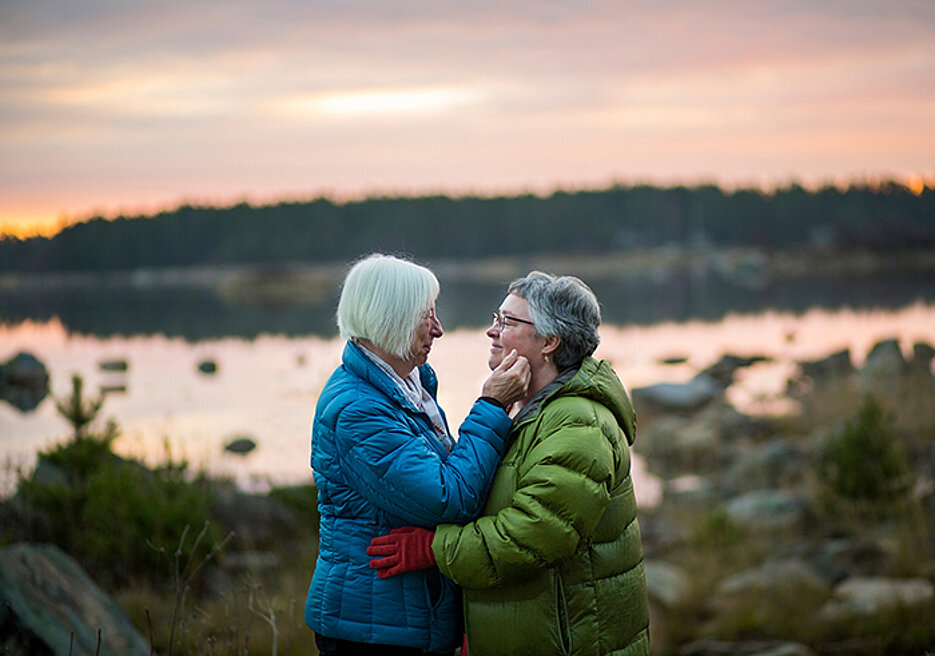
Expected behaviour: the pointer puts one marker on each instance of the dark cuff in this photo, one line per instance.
(490, 399)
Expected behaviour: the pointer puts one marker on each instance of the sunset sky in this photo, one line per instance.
(132, 106)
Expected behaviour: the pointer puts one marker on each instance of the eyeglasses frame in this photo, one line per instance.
(500, 319)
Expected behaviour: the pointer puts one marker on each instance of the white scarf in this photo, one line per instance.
(411, 386)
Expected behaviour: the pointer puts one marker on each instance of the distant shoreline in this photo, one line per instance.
(744, 265)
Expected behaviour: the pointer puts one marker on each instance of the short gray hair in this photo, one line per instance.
(384, 299)
(563, 307)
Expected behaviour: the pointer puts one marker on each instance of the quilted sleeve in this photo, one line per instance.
(399, 472)
(563, 485)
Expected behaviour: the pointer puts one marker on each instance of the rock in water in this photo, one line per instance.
(241, 446)
(24, 381)
(208, 367)
(51, 598)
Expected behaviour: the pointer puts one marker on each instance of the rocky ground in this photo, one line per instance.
(758, 546)
(754, 551)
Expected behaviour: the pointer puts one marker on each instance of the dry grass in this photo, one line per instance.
(910, 398)
(251, 613)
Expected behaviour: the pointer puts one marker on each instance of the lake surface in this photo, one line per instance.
(273, 361)
(643, 296)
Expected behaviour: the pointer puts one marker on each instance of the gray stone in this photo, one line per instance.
(208, 367)
(845, 557)
(666, 583)
(771, 576)
(52, 599)
(677, 397)
(786, 649)
(661, 533)
(729, 423)
(922, 356)
(884, 363)
(836, 365)
(676, 445)
(49, 474)
(258, 520)
(709, 647)
(771, 465)
(24, 381)
(690, 491)
(768, 510)
(724, 369)
(867, 596)
(240, 446)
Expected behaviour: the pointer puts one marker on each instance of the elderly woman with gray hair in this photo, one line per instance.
(383, 458)
(554, 564)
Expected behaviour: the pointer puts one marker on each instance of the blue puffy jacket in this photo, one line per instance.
(378, 465)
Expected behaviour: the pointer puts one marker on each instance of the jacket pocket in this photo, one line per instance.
(561, 614)
(434, 588)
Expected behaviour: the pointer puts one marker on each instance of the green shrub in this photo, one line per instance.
(715, 529)
(301, 499)
(79, 412)
(110, 513)
(865, 461)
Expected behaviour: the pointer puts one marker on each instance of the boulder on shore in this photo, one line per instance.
(724, 369)
(866, 596)
(677, 397)
(884, 364)
(49, 601)
(836, 365)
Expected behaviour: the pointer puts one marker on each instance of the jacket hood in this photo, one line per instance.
(595, 380)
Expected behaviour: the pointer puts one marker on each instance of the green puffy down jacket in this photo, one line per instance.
(554, 564)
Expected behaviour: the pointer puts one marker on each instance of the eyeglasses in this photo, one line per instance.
(500, 320)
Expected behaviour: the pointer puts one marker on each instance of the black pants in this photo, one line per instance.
(335, 647)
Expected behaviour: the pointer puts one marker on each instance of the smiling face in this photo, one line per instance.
(429, 329)
(514, 334)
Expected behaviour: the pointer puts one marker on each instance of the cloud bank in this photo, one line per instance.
(120, 105)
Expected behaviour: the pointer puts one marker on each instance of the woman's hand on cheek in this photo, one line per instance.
(510, 380)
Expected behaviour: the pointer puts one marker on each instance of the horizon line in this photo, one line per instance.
(914, 183)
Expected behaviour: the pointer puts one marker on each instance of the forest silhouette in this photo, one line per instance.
(878, 217)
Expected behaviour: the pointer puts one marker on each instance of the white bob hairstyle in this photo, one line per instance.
(384, 299)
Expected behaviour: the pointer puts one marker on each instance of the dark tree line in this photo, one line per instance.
(885, 217)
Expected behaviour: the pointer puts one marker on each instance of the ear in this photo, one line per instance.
(550, 344)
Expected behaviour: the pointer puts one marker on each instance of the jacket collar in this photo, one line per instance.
(359, 364)
(593, 379)
(538, 399)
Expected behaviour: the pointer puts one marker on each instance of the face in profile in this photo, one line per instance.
(516, 332)
(429, 329)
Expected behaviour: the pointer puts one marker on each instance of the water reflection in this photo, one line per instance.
(640, 299)
(265, 388)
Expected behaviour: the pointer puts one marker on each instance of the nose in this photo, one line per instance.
(437, 330)
(493, 331)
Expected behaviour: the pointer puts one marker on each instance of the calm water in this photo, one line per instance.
(271, 369)
(640, 298)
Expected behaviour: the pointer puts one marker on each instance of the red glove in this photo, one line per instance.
(405, 549)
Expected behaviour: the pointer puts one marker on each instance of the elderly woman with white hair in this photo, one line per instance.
(383, 458)
(554, 564)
